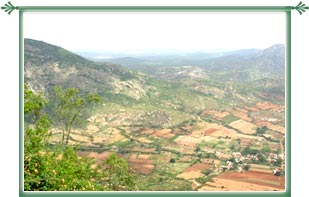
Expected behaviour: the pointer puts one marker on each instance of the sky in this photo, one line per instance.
(137, 32)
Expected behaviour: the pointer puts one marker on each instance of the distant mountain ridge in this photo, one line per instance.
(243, 65)
(273, 55)
(270, 60)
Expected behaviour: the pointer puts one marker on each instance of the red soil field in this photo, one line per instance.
(255, 177)
(139, 165)
(198, 167)
(147, 131)
(166, 133)
(209, 131)
(99, 157)
(141, 168)
(251, 109)
(217, 115)
(140, 161)
(267, 105)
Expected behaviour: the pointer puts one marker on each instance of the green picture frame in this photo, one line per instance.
(300, 8)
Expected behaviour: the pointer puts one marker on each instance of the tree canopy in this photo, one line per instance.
(58, 168)
(69, 108)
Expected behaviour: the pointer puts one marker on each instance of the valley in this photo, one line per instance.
(184, 154)
(194, 123)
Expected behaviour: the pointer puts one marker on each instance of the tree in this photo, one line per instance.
(261, 158)
(58, 168)
(277, 162)
(61, 170)
(172, 160)
(261, 131)
(118, 175)
(69, 107)
(35, 134)
(33, 103)
(36, 130)
(246, 167)
(197, 148)
(266, 149)
(249, 151)
(46, 169)
(233, 160)
(207, 171)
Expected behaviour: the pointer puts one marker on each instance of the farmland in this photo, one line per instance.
(248, 181)
(232, 149)
(183, 122)
(194, 154)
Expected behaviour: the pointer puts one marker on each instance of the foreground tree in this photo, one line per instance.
(69, 109)
(36, 129)
(118, 175)
(58, 168)
(46, 169)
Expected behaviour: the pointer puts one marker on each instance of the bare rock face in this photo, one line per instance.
(46, 66)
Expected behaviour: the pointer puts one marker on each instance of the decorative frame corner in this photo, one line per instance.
(9, 7)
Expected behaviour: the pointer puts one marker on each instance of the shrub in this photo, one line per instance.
(172, 160)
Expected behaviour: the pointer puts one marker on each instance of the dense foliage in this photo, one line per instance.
(60, 168)
(119, 177)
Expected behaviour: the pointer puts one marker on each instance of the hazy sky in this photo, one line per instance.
(152, 31)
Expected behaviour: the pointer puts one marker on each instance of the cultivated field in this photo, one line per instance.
(247, 181)
(241, 113)
(141, 165)
(165, 133)
(267, 105)
(272, 126)
(243, 126)
(216, 114)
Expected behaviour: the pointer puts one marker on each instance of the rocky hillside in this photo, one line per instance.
(46, 65)
(271, 59)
